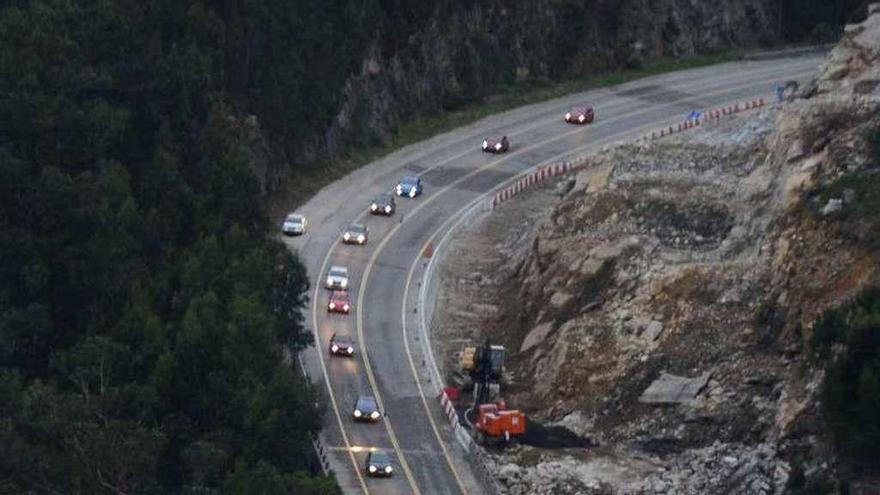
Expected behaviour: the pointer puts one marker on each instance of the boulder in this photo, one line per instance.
(652, 331)
(536, 336)
(833, 206)
(560, 299)
(672, 389)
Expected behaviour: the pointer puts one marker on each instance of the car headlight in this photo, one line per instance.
(485, 144)
(567, 115)
(388, 209)
(581, 118)
(350, 350)
(374, 207)
(357, 413)
(362, 239)
(346, 236)
(372, 468)
(343, 283)
(412, 192)
(374, 415)
(334, 348)
(332, 305)
(497, 146)
(399, 189)
(345, 307)
(388, 469)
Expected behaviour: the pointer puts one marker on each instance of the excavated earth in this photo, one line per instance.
(660, 302)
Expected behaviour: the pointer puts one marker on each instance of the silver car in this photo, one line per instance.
(294, 224)
(355, 234)
(337, 278)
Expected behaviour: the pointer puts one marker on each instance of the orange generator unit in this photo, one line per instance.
(496, 424)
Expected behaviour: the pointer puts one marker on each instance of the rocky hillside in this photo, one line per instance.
(667, 305)
(437, 54)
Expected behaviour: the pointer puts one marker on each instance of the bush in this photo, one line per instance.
(851, 391)
(860, 218)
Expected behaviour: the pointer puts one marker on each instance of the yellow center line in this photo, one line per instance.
(361, 292)
(439, 193)
(332, 395)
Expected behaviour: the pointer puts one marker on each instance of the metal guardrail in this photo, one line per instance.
(320, 452)
(796, 51)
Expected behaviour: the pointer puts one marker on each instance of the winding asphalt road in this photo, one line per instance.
(389, 363)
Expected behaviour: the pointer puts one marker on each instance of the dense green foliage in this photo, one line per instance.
(144, 315)
(848, 339)
(819, 21)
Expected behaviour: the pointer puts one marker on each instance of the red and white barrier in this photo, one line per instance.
(706, 117)
(562, 168)
(449, 409)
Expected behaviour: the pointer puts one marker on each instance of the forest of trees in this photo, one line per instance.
(144, 312)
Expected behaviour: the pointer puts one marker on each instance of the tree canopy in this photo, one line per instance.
(144, 313)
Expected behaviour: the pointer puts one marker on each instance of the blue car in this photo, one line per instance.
(410, 186)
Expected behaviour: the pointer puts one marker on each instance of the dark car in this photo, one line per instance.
(379, 464)
(410, 186)
(341, 345)
(356, 233)
(496, 144)
(366, 409)
(383, 205)
(581, 114)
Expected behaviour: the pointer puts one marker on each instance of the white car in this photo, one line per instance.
(337, 278)
(294, 224)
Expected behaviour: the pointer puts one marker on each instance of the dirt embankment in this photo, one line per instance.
(663, 307)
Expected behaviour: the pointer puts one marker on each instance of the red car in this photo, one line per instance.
(496, 144)
(581, 114)
(340, 302)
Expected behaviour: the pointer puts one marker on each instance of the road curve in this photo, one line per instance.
(389, 363)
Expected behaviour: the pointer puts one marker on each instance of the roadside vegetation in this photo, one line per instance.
(144, 315)
(848, 340)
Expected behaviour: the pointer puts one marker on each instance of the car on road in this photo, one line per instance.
(294, 224)
(356, 233)
(341, 345)
(340, 302)
(580, 114)
(496, 144)
(410, 186)
(366, 409)
(337, 278)
(379, 464)
(383, 205)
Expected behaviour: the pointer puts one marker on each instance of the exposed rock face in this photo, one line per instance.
(689, 277)
(457, 54)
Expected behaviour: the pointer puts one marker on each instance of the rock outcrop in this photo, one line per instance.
(460, 51)
(665, 311)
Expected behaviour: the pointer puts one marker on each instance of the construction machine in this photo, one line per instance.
(483, 367)
(495, 424)
(498, 425)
